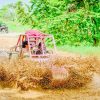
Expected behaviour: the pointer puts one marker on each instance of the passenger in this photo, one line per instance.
(40, 49)
(24, 44)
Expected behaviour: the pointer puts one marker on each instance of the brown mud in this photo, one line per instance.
(17, 77)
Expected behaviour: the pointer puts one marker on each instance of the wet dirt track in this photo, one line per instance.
(89, 92)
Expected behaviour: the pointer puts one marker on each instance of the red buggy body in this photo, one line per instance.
(34, 43)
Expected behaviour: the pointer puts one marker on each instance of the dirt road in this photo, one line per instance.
(89, 92)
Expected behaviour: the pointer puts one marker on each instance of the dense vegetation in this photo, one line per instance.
(72, 22)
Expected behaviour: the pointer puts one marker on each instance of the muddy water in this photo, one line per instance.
(14, 94)
(90, 92)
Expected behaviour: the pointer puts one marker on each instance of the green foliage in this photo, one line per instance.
(8, 12)
(14, 26)
(82, 50)
(72, 22)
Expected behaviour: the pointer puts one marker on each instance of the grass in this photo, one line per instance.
(83, 50)
(15, 26)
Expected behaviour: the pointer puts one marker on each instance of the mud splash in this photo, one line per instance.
(75, 72)
(95, 84)
(26, 69)
(90, 92)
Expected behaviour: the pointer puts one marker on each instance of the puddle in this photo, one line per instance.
(14, 93)
(29, 94)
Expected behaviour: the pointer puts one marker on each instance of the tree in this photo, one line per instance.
(73, 22)
(8, 12)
